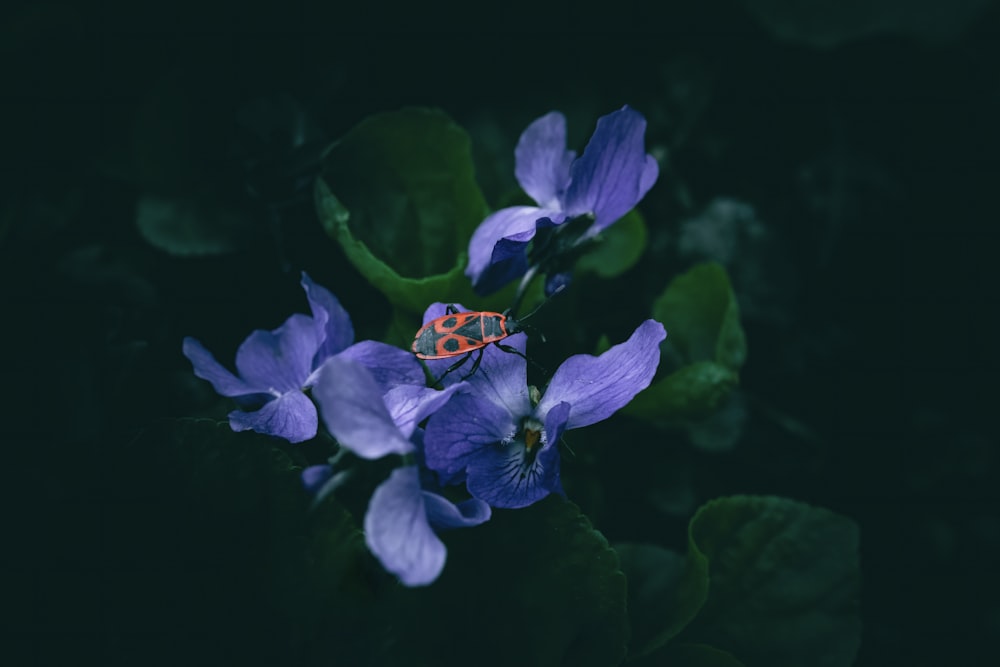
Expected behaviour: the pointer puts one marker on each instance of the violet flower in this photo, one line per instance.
(504, 443)
(605, 183)
(404, 512)
(274, 368)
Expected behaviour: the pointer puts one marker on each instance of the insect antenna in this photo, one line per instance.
(539, 306)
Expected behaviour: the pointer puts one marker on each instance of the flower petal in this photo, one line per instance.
(388, 364)
(491, 267)
(650, 172)
(350, 402)
(502, 377)
(460, 431)
(331, 317)
(542, 161)
(503, 477)
(398, 533)
(281, 360)
(207, 368)
(614, 172)
(596, 387)
(409, 404)
(291, 416)
(444, 514)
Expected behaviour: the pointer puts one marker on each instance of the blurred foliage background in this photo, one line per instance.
(839, 159)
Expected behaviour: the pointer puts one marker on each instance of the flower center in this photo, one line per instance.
(533, 437)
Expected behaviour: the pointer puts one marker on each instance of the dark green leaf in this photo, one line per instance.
(665, 591)
(784, 582)
(692, 392)
(535, 586)
(618, 247)
(398, 193)
(702, 318)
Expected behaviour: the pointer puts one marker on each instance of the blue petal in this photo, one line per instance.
(409, 405)
(207, 368)
(398, 533)
(503, 477)
(444, 514)
(508, 262)
(281, 360)
(516, 226)
(350, 402)
(596, 387)
(459, 433)
(502, 377)
(389, 365)
(614, 172)
(291, 416)
(542, 161)
(331, 317)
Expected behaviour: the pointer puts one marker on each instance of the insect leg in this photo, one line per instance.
(450, 309)
(455, 366)
(475, 366)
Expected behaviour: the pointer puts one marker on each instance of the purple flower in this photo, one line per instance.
(505, 443)
(403, 513)
(605, 183)
(273, 368)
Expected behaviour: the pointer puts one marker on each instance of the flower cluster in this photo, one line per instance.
(597, 189)
(275, 368)
(489, 432)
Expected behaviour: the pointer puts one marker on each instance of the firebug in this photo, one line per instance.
(460, 334)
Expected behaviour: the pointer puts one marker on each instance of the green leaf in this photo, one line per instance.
(699, 311)
(692, 392)
(534, 586)
(618, 247)
(665, 591)
(784, 582)
(398, 193)
(701, 316)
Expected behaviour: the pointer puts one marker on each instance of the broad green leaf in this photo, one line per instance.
(784, 582)
(398, 193)
(534, 586)
(665, 591)
(701, 316)
(699, 311)
(618, 247)
(692, 392)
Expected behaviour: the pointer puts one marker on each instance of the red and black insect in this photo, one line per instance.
(456, 333)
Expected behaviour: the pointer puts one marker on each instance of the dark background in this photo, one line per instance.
(868, 146)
